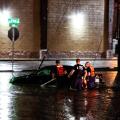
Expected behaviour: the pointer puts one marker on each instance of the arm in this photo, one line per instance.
(85, 74)
(53, 74)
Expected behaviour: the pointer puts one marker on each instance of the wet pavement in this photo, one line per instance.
(31, 102)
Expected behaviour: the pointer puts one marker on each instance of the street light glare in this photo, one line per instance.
(77, 24)
(4, 16)
(77, 20)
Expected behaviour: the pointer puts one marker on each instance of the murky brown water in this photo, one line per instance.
(30, 102)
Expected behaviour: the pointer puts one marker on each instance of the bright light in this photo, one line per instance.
(4, 16)
(77, 20)
(77, 23)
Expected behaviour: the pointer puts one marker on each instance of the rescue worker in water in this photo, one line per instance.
(90, 76)
(79, 75)
(60, 74)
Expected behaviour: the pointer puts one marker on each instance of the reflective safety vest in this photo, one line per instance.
(60, 70)
(92, 73)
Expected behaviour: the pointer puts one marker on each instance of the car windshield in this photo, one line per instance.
(44, 71)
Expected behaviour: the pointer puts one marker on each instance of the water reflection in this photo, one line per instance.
(4, 107)
(86, 105)
(4, 96)
(30, 102)
(114, 107)
(4, 81)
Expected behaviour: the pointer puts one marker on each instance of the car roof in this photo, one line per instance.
(51, 66)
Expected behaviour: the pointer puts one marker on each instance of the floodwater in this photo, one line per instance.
(31, 102)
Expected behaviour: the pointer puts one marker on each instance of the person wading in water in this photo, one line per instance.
(90, 75)
(59, 73)
(79, 75)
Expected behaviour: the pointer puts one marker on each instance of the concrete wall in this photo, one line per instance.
(84, 40)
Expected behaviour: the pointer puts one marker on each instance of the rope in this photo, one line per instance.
(48, 82)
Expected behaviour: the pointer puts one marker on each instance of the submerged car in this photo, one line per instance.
(43, 76)
(40, 76)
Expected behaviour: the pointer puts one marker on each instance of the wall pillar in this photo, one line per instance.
(43, 21)
(111, 16)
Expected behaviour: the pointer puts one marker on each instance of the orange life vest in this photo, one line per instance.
(60, 70)
(92, 73)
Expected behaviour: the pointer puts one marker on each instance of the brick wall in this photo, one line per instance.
(28, 43)
(88, 37)
(85, 40)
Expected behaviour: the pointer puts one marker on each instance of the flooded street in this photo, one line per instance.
(31, 102)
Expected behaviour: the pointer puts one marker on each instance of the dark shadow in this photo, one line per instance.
(113, 112)
(116, 84)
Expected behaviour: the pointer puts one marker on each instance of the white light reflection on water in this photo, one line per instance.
(4, 107)
(4, 81)
(68, 109)
(4, 96)
(83, 118)
(6, 66)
